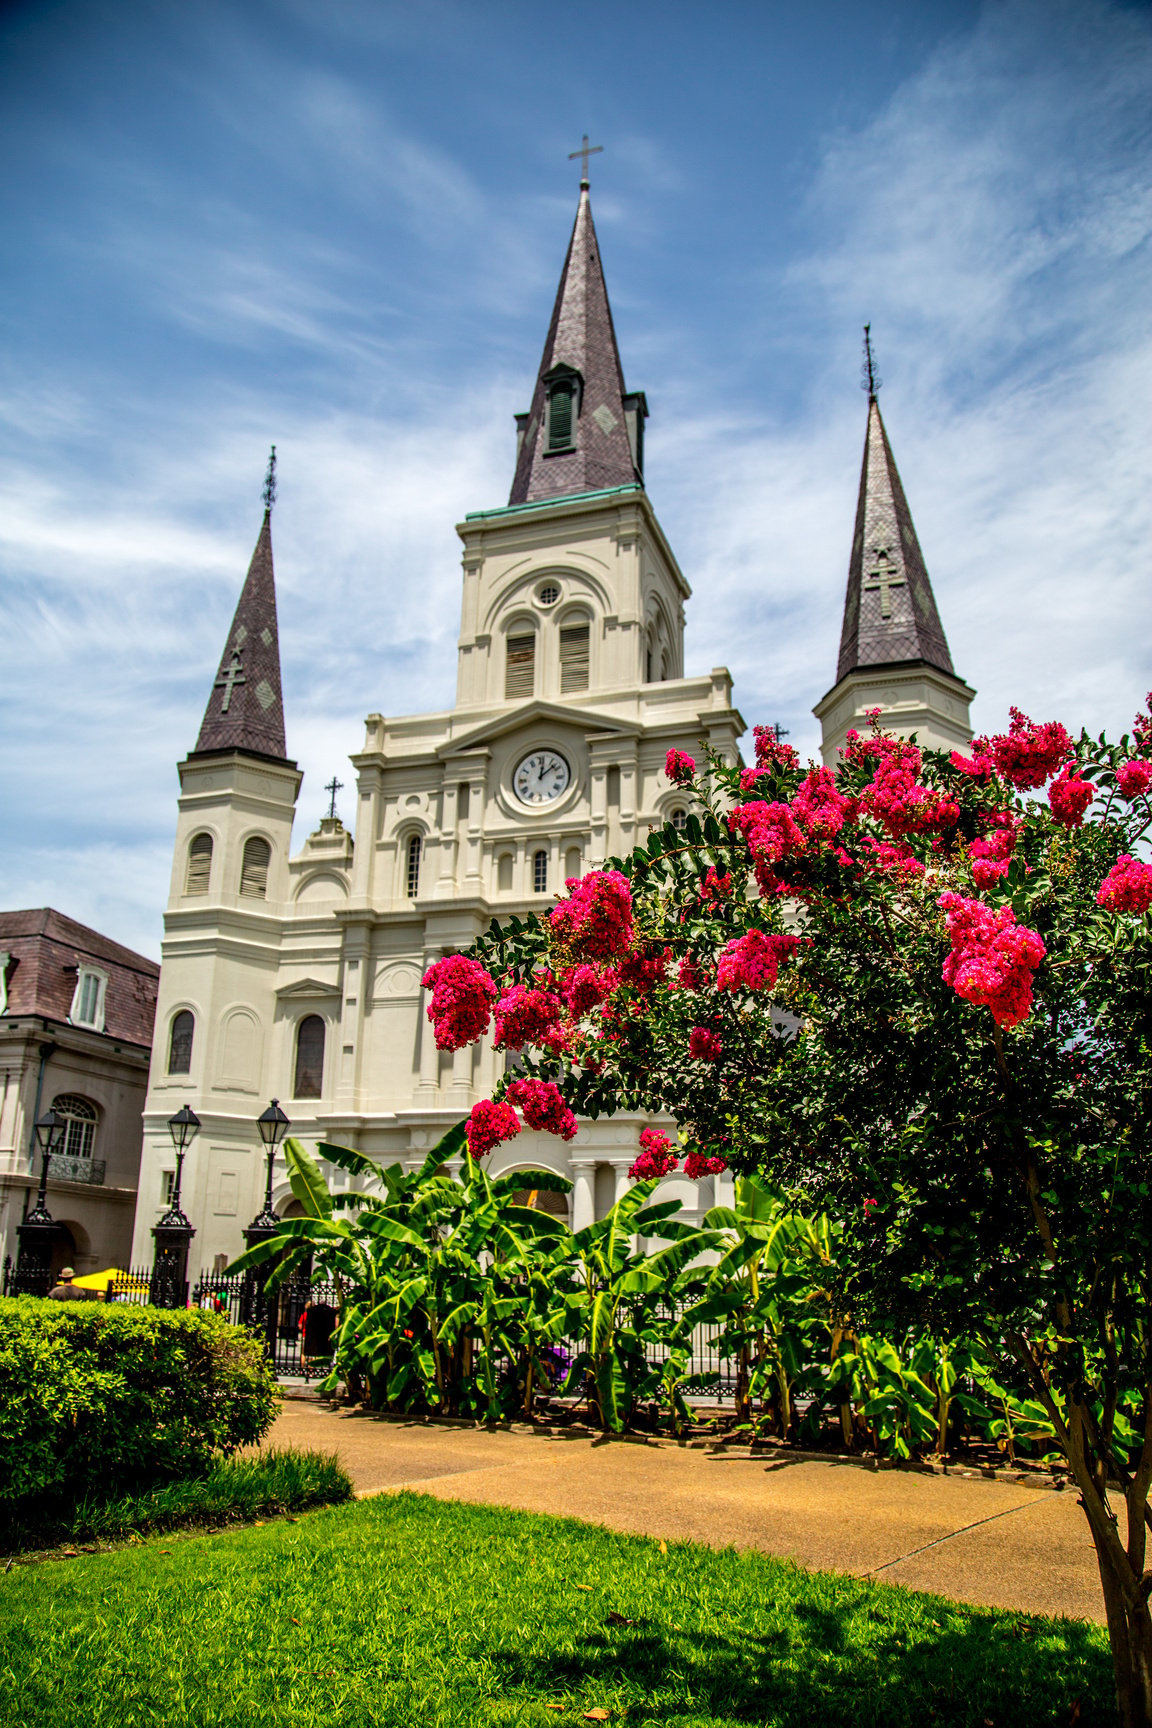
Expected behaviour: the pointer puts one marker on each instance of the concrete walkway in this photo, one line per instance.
(995, 1543)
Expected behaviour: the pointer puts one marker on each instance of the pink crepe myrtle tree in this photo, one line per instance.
(924, 981)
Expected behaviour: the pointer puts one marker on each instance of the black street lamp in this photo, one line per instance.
(174, 1232)
(273, 1126)
(256, 1309)
(38, 1229)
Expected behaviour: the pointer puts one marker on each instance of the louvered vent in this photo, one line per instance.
(574, 658)
(520, 672)
(199, 865)
(560, 419)
(254, 870)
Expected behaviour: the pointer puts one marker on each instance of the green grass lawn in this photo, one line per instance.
(409, 1612)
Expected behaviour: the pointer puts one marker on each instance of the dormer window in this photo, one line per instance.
(563, 408)
(88, 1000)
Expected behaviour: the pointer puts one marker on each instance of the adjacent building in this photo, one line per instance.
(76, 1015)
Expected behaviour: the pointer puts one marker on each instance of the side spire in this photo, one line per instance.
(890, 614)
(584, 432)
(246, 706)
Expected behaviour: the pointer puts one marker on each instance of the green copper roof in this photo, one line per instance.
(550, 503)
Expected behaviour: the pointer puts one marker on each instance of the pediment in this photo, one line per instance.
(306, 987)
(586, 721)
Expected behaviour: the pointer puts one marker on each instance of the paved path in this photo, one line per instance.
(995, 1543)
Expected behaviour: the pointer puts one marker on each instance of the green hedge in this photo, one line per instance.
(96, 1400)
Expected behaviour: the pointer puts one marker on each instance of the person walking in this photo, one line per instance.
(66, 1290)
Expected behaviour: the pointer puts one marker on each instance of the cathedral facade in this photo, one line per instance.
(296, 974)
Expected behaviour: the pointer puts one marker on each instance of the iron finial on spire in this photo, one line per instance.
(870, 379)
(270, 481)
(333, 786)
(584, 152)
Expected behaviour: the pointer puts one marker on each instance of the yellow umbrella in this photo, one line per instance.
(113, 1275)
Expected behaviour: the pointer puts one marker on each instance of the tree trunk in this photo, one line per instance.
(1130, 1635)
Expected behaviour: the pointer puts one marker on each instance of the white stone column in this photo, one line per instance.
(623, 1181)
(446, 881)
(429, 1055)
(583, 1192)
(460, 1091)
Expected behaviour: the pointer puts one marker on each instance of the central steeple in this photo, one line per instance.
(584, 432)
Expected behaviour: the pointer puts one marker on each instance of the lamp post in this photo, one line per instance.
(258, 1308)
(174, 1233)
(34, 1263)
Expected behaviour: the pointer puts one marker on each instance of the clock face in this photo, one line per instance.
(541, 777)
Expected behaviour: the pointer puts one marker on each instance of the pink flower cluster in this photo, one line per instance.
(698, 1164)
(656, 1157)
(990, 853)
(750, 778)
(992, 959)
(596, 919)
(526, 1016)
(543, 1107)
(462, 995)
(1127, 886)
(1026, 755)
(897, 799)
(770, 753)
(819, 809)
(705, 1044)
(489, 1124)
(586, 986)
(752, 962)
(1069, 797)
(689, 975)
(772, 835)
(715, 886)
(679, 767)
(1134, 777)
(897, 859)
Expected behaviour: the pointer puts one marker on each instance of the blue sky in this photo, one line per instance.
(339, 228)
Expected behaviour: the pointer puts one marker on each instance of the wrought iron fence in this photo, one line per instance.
(298, 1319)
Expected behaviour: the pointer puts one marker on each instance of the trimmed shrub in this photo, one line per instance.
(98, 1400)
(234, 1490)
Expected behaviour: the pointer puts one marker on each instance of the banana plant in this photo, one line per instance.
(619, 1301)
(764, 1295)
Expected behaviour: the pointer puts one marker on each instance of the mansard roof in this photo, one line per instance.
(890, 615)
(581, 339)
(246, 706)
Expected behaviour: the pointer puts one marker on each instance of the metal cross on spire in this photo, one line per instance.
(333, 786)
(584, 152)
(870, 379)
(270, 481)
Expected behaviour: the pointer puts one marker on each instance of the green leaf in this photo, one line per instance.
(308, 1185)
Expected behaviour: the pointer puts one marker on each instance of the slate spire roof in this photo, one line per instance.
(246, 706)
(607, 444)
(890, 614)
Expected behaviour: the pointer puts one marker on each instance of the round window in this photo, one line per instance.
(549, 594)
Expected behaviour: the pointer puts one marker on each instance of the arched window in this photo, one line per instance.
(180, 1043)
(520, 666)
(79, 1124)
(540, 872)
(199, 865)
(254, 869)
(309, 1082)
(413, 880)
(679, 818)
